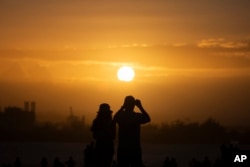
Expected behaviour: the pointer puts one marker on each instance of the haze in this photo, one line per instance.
(191, 58)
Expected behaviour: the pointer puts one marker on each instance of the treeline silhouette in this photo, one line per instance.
(75, 130)
(210, 131)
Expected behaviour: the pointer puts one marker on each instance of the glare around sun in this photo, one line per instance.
(126, 74)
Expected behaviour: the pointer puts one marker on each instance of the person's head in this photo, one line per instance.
(129, 103)
(104, 110)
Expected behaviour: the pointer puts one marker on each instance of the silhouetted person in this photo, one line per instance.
(103, 129)
(206, 162)
(114, 164)
(44, 162)
(6, 165)
(170, 162)
(57, 162)
(89, 155)
(173, 162)
(17, 162)
(166, 162)
(228, 153)
(70, 162)
(194, 163)
(218, 163)
(129, 147)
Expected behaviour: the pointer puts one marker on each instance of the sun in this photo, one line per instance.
(126, 74)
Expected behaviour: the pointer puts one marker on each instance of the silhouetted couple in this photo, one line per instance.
(129, 121)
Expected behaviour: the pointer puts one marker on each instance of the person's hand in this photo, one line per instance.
(138, 103)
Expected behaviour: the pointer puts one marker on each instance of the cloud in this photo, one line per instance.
(236, 54)
(180, 44)
(233, 52)
(133, 45)
(149, 60)
(24, 71)
(222, 43)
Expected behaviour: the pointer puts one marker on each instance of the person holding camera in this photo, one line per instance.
(129, 121)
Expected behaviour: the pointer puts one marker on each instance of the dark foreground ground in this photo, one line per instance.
(153, 154)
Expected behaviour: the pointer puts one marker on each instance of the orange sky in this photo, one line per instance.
(192, 59)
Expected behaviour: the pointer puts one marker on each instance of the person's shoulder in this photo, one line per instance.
(118, 114)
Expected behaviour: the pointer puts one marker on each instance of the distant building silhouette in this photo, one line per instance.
(16, 118)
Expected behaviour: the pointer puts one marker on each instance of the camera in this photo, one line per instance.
(137, 101)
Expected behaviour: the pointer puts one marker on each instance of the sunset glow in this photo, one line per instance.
(126, 74)
(186, 56)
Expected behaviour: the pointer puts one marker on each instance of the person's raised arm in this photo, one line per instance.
(145, 117)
